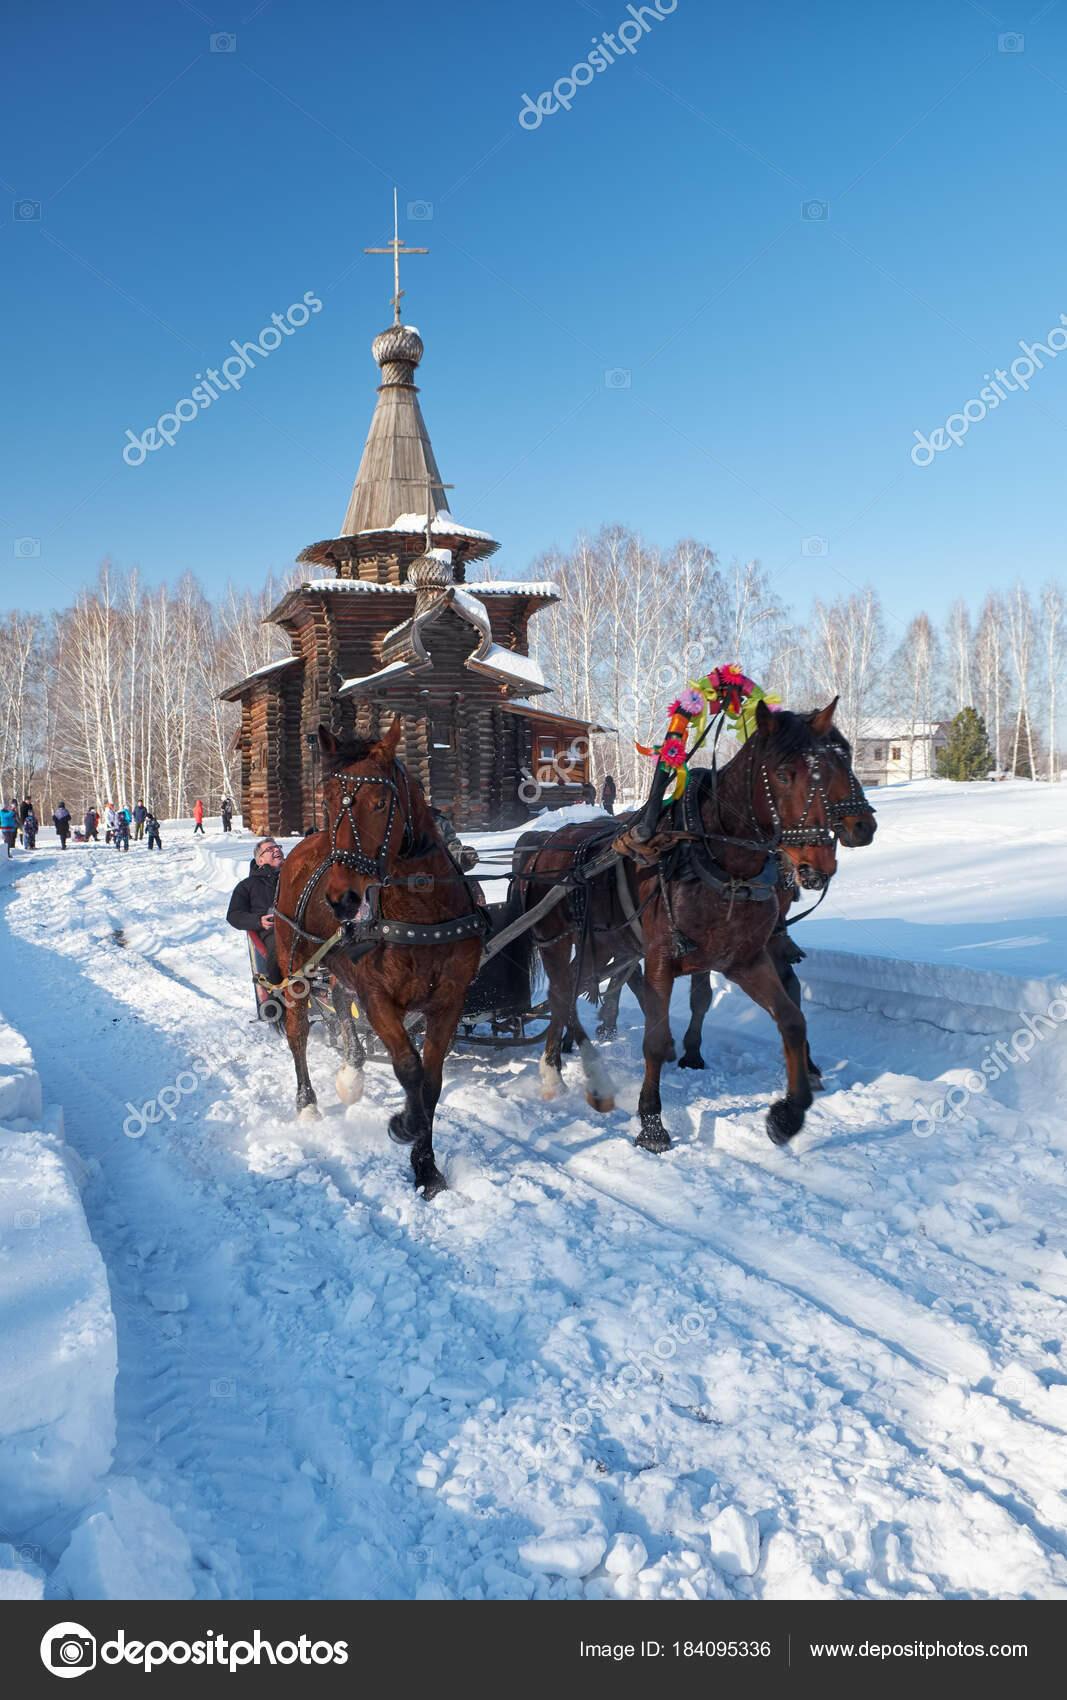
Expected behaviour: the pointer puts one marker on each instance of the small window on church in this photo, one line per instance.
(896, 752)
(546, 749)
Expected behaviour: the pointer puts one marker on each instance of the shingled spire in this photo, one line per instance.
(398, 461)
(385, 523)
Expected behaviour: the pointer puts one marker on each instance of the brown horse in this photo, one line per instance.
(411, 932)
(852, 818)
(711, 904)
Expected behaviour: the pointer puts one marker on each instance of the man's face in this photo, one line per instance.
(270, 856)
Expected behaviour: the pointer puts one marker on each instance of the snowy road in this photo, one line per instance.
(833, 1371)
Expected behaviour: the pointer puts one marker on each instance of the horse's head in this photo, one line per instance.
(368, 806)
(788, 799)
(849, 812)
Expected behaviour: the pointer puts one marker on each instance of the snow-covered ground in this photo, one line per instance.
(57, 1334)
(834, 1371)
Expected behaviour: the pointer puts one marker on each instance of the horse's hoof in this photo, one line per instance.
(398, 1131)
(601, 1104)
(349, 1084)
(430, 1187)
(784, 1121)
(606, 1031)
(308, 1113)
(653, 1136)
(690, 1060)
(670, 1054)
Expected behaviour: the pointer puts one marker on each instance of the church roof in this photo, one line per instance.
(234, 693)
(535, 590)
(398, 477)
(404, 652)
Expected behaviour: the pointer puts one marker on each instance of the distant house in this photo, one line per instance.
(888, 751)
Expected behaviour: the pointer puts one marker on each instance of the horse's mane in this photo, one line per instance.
(791, 735)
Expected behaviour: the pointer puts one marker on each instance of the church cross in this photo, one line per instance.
(432, 484)
(396, 248)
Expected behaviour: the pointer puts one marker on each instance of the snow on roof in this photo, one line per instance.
(470, 608)
(383, 675)
(275, 666)
(522, 668)
(443, 523)
(490, 587)
(893, 729)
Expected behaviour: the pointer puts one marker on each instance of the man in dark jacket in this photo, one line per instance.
(607, 795)
(251, 908)
(61, 822)
(92, 821)
(227, 814)
(140, 815)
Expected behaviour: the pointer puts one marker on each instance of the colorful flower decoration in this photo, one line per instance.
(724, 690)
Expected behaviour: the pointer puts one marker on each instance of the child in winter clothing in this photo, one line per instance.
(122, 829)
(152, 825)
(61, 822)
(9, 825)
(29, 830)
(198, 818)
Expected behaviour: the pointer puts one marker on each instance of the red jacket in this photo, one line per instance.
(198, 812)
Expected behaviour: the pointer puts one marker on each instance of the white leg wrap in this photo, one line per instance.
(349, 1083)
(551, 1079)
(596, 1075)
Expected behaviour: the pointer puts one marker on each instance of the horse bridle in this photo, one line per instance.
(357, 860)
(855, 803)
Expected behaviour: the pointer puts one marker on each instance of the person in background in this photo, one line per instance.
(198, 818)
(29, 830)
(251, 907)
(61, 822)
(92, 821)
(9, 825)
(140, 814)
(110, 817)
(25, 808)
(608, 795)
(121, 834)
(227, 814)
(589, 793)
(154, 840)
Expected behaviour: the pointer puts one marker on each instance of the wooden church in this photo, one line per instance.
(396, 628)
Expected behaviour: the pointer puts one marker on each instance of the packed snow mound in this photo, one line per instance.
(57, 1332)
(127, 1547)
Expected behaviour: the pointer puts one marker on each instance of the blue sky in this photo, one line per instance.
(776, 365)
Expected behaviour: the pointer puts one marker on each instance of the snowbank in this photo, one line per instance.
(57, 1332)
